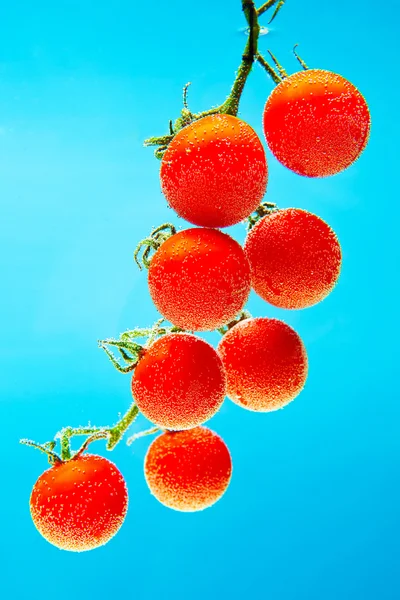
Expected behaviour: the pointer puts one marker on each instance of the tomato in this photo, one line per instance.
(265, 363)
(316, 123)
(214, 172)
(199, 279)
(188, 470)
(179, 381)
(294, 257)
(79, 504)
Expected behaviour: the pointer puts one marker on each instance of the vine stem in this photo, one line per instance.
(231, 104)
(240, 317)
(116, 432)
(141, 434)
(268, 5)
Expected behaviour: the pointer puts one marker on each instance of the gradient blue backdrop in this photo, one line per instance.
(312, 512)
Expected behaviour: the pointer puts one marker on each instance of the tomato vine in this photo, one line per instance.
(214, 174)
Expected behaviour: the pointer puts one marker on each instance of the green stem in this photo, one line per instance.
(282, 72)
(99, 435)
(67, 433)
(65, 436)
(271, 72)
(231, 104)
(301, 61)
(268, 5)
(240, 317)
(140, 434)
(116, 432)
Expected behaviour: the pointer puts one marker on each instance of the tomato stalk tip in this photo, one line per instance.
(301, 61)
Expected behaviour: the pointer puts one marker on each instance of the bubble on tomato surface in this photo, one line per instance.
(179, 382)
(188, 470)
(199, 279)
(295, 258)
(221, 184)
(265, 363)
(334, 111)
(80, 504)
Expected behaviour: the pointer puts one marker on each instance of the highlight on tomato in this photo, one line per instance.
(316, 123)
(179, 382)
(188, 470)
(79, 504)
(214, 172)
(265, 363)
(199, 279)
(295, 258)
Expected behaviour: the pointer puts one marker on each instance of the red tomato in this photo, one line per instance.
(316, 123)
(214, 172)
(188, 470)
(265, 363)
(79, 504)
(294, 257)
(179, 382)
(199, 279)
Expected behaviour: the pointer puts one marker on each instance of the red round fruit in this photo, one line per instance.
(214, 171)
(265, 363)
(199, 279)
(188, 470)
(179, 382)
(79, 504)
(316, 123)
(294, 258)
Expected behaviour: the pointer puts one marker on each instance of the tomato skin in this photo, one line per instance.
(316, 123)
(199, 279)
(295, 258)
(79, 504)
(188, 470)
(179, 382)
(265, 363)
(214, 172)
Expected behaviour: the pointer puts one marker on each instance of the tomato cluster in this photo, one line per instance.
(214, 174)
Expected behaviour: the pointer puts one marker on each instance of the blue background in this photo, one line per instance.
(313, 508)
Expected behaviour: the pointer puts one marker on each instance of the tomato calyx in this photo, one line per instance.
(300, 60)
(231, 105)
(152, 243)
(130, 351)
(265, 208)
(240, 317)
(47, 448)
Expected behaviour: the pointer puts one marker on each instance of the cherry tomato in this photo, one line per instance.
(199, 279)
(79, 504)
(294, 257)
(265, 363)
(188, 470)
(214, 172)
(179, 382)
(316, 123)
